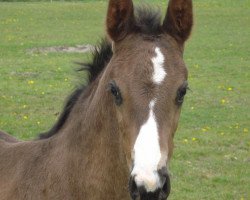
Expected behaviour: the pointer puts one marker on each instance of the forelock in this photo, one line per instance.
(148, 20)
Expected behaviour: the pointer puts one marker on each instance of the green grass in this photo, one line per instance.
(211, 159)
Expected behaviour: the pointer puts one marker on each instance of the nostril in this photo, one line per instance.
(165, 191)
(134, 192)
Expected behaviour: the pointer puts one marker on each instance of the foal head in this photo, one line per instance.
(147, 80)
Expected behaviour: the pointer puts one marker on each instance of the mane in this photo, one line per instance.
(100, 58)
(147, 21)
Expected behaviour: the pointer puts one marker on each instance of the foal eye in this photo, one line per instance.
(115, 91)
(180, 95)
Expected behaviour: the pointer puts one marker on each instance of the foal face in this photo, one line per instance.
(148, 81)
(151, 79)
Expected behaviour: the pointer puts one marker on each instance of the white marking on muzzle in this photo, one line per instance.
(159, 73)
(147, 154)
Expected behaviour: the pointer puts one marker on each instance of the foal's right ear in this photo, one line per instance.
(120, 18)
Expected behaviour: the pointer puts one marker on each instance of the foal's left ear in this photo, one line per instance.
(120, 18)
(179, 19)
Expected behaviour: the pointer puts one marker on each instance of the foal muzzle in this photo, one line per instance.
(161, 193)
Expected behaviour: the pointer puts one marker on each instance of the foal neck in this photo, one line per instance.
(93, 146)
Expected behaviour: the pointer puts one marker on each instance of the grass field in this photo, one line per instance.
(212, 155)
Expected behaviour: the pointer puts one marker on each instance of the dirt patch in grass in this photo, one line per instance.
(62, 49)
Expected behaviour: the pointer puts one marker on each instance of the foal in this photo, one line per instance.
(115, 137)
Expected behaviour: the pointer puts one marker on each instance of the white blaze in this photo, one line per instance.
(147, 153)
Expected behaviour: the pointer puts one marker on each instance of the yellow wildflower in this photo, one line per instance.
(204, 130)
(31, 82)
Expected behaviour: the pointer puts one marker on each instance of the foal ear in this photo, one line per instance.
(120, 18)
(179, 19)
